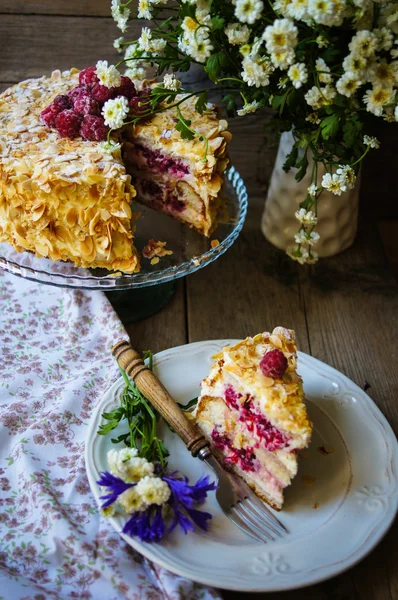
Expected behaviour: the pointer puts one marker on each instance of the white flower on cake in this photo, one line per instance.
(250, 107)
(153, 490)
(376, 98)
(109, 76)
(248, 11)
(280, 36)
(256, 70)
(334, 183)
(306, 217)
(127, 465)
(110, 146)
(323, 70)
(132, 501)
(298, 74)
(171, 82)
(373, 142)
(348, 84)
(115, 111)
(237, 34)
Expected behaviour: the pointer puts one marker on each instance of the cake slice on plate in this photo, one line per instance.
(251, 408)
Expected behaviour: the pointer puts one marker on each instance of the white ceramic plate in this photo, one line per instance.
(338, 508)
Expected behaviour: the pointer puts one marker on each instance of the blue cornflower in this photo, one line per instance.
(115, 485)
(183, 497)
(147, 525)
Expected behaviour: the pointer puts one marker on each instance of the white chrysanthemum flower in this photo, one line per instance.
(313, 118)
(248, 11)
(117, 44)
(302, 256)
(376, 98)
(280, 36)
(313, 238)
(371, 141)
(385, 38)
(312, 190)
(153, 490)
(364, 43)
(144, 10)
(396, 113)
(328, 94)
(348, 84)
(120, 14)
(384, 74)
(109, 76)
(171, 82)
(322, 41)
(237, 34)
(298, 9)
(283, 59)
(110, 147)
(306, 217)
(202, 13)
(323, 70)
(249, 107)
(149, 44)
(189, 26)
(298, 74)
(394, 53)
(132, 501)
(327, 12)
(347, 173)
(127, 465)
(301, 237)
(256, 70)
(389, 16)
(200, 48)
(334, 183)
(314, 98)
(136, 73)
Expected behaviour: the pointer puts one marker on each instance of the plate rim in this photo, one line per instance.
(354, 558)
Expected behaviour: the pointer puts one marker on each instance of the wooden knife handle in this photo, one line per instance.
(150, 386)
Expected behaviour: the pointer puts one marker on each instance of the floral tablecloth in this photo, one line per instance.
(55, 365)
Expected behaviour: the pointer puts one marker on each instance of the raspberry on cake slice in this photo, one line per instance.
(251, 408)
(180, 177)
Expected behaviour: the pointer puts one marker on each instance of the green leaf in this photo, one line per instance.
(187, 407)
(291, 159)
(302, 164)
(183, 127)
(201, 102)
(330, 126)
(351, 131)
(217, 23)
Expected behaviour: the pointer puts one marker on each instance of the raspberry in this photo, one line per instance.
(68, 123)
(139, 105)
(86, 105)
(62, 102)
(76, 92)
(126, 88)
(93, 128)
(88, 77)
(273, 364)
(48, 115)
(101, 93)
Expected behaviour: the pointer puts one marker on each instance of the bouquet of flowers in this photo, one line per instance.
(325, 66)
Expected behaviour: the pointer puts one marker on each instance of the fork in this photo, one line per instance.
(236, 499)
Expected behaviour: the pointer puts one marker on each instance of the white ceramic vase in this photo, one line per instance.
(337, 215)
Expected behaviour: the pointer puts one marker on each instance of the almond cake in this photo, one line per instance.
(252, 410)
(68, 199)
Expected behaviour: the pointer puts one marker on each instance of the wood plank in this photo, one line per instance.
(57, 7)
(54, 43)
(164, 329)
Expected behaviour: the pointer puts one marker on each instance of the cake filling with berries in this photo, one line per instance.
(252, 409)
(70, 167)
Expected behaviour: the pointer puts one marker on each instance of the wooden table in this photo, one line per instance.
(344, 310)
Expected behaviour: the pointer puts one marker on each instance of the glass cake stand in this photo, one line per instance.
(191, 251)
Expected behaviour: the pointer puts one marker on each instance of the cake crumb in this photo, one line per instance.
(308, 480)
(154, 248)
(315, 505)
(214, 243)
(325, 450)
